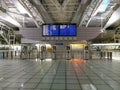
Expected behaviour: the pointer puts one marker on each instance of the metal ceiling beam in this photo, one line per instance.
(77, 14)
(80, 10)
(59, 7)
(110, 14)
(65, 3)
(29, 8)
(39, 6)
(50, 4)
(56, 3)
(63, 11)
(89, 12)
(5, 16)
(93, 12)
(2, 4)
(8, 18)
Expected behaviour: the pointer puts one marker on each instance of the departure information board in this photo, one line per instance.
(59, 30)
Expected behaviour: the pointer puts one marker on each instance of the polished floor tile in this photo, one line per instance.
(59, 75)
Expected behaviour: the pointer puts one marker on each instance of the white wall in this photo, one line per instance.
(82, 34)
(31, 33)
(88, 33)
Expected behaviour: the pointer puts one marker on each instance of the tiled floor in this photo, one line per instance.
(59, 75)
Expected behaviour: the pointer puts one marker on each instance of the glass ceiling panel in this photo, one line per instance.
(103, 6)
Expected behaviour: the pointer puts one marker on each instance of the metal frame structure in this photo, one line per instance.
(117, 35)
(9, 37)
(37, 18)
(90, 12)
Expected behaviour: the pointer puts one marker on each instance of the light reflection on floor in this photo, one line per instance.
(78, 60)
(75, 74)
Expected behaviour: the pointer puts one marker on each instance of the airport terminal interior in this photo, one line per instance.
(59, 44)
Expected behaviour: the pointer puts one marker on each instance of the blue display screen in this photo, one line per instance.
(59, 30)
(68, 30)
(50, 30)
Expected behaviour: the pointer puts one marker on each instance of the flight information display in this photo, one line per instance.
(59, 30)
(50, 30)
(68, 30)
